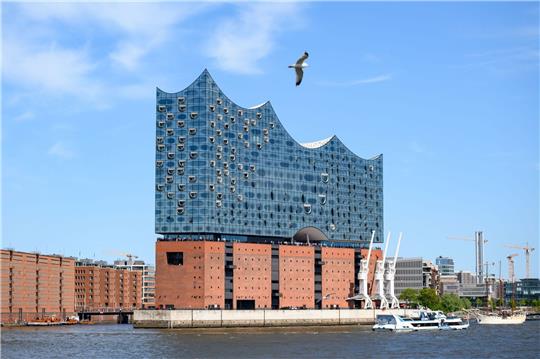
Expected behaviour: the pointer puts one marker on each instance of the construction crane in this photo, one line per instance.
(528, 251)
(511, 267)
(479, 242)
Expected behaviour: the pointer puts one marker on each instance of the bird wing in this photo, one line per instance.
(302, 58)
(299, 75)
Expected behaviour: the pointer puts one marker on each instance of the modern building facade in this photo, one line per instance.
(526, 289)
(409, 274)
(445, 264)
(35, 286)
(229, 178)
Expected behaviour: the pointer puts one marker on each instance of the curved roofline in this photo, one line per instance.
(315, 145)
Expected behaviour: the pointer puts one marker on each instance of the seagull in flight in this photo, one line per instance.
(299, 67)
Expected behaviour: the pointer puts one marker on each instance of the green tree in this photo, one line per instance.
(465, 303)
(492, 304)
(409, 296)
(522, 303)
(428, 297)
(513, 303)
(451, 303)
(478, 302)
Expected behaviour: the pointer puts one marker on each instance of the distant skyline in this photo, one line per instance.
(447, 92)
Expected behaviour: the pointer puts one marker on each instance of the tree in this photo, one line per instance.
(427, 297)
(451, 303)
(522, 303)
(478, 302)
(465, 303)
(409, 296)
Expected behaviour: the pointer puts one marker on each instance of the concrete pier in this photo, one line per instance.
(255, 318)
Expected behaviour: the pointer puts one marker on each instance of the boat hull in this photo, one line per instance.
(492, 319)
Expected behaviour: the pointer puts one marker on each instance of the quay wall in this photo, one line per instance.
(188, 318)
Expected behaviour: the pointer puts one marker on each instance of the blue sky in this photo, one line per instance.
(448, 92)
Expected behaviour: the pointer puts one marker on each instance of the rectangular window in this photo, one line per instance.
(175, 258)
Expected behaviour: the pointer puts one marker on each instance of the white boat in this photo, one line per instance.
(504, 318)
(436, 320)
(392, 322)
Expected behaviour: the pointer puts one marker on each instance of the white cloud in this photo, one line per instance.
(240, 42)
(370, 80)
(25, 116)
(60, 150)
(37, 60)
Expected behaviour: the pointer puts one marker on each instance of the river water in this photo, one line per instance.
(122, 341)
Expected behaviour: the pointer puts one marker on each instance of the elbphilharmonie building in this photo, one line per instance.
(226, 174)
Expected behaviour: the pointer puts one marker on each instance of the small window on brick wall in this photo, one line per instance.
(175, 258)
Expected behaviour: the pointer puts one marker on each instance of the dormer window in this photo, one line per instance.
(170, 195)
(170, 132)
(232, 189)
(254, 122)
(159, 163)
(212, 187)
(180, 147)
(226, 126)
(219, 195)
(193, 155)
(218, 132)
(181, 163)
(182, 108)
(232, 157)
(307, 208)
(219, 117)
(181, 139)
(192, 179)
(219, 148)
(193, 115)
(252, 168)
(266, 139)
(246, 122)
(233, 181)
(240, 136)
(212, 124)
(259, 115)
(212, 139)
(169, 179)
(226, 172)
(246, 175)
(170, 116)
(181, 203)
(240, 198)
(225, 165)
(272, 125)
(170, 155)
(192, 131)
(219, 179)
(240, 166)
(212, 108)
(219, 101)
(225, 141)
(181, 100)
(225, 110)
(240, 112)
(192, 194)
(161, 124)
(180, 171)
(162, 108)
(233, 120)
(159, 139)
(212, 163)
(159, 187)
(322, 199)
(246, 129)
(259, 146)
(218, 172)
(180, 211)
(181, 123)
(265, 131)
(218, 156)
(218, 204)
(160, 147)
(246, 144)
(181, 187)
(170, 171)
(233, 150)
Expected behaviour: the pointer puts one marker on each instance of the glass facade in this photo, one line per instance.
(446, 265)
(223, 170)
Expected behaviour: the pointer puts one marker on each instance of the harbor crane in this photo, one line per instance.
(479, 242)
(511, 267)
(528, 251)
(389, 277)
(379, 278)
(363, 279)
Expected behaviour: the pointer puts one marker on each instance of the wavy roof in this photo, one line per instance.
(205, 75)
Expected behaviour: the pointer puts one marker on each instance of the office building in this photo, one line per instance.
(445, 264)
(148, 278)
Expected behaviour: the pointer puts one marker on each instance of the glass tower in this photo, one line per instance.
(228, 172)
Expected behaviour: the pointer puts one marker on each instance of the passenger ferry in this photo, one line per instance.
(436, 320)
(393, 323)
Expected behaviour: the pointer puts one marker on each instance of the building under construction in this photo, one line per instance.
(249, 218)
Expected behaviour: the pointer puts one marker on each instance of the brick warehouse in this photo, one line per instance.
(248, 217)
